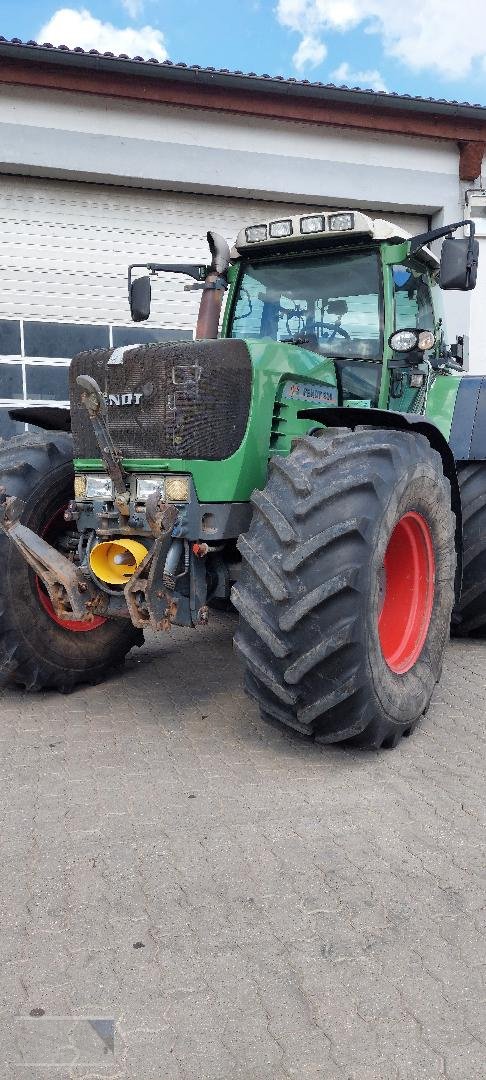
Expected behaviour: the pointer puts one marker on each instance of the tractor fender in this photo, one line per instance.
(414, 423)
(48, 417)
(468, 430)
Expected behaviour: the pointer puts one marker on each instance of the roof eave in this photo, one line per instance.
(182, 73)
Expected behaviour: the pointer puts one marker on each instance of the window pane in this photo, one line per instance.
(11, 381)
(9, 427)
(358, 382)
(413, 304)
(47, 383)
(132, 335)
(9, 337)
(332, 299)
(63, 339)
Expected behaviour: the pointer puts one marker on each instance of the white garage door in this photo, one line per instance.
(65, 251)
(66, 247)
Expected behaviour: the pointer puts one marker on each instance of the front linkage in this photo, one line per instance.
(149, 598)
(167, 585)
(71, 589)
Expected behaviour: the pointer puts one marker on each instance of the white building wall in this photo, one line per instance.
(89, 184)
(84, 137)
(150, 122)
(150, 145)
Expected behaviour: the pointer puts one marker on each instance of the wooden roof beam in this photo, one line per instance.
(471, 155)
(372, 117)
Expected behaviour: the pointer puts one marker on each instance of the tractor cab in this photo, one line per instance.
(354, 291)
(342, 285)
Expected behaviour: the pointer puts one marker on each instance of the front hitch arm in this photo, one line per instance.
(148, 601)
(71, 590)
(93, 400)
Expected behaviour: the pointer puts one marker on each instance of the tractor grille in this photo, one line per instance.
(195, 399)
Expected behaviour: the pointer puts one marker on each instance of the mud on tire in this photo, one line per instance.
(35, 651)
(312, 585)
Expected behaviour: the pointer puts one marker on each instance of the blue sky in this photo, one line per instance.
(431, 47)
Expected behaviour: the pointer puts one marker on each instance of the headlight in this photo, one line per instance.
(97, 487)
(146, 485)
(313, 223)
(79, 487)
(177, 489)
(280, 228)
(426, 340)
(406, 340)
(172, 488)
(256, 233)
(403, 340)
(341, 222)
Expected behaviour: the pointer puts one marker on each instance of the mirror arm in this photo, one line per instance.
(422, 239)
(195, 270)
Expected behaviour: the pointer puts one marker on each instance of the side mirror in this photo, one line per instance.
(459, 264)
(140, 297)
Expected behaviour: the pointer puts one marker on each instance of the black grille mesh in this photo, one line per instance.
(195, 399)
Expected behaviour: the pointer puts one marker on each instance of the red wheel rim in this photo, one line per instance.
(77, 626)
(409, 566)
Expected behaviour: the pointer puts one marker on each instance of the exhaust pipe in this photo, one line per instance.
(115, 561)
(214, 288)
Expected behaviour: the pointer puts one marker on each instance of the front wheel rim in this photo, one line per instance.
(409, 567)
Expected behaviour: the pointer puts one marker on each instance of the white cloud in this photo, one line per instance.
(370, 79)
(310, 53)
(69, 27)
(307, 16)
(133, 8)
(438, 35)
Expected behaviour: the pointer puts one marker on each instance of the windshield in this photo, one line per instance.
(329, 302)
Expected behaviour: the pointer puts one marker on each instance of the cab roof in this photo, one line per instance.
(325, 226)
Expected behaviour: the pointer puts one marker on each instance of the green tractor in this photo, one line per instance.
(319, 463)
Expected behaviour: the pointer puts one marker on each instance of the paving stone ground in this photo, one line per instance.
(243, 904)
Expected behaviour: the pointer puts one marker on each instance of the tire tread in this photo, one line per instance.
(302, 582)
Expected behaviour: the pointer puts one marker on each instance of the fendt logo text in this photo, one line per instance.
(127, 398)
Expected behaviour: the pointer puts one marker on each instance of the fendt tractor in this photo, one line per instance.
(319, 464)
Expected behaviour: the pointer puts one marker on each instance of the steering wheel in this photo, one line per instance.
(335, 329)
(290, 315)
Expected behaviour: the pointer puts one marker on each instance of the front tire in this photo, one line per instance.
(334, 644)
(36, 648)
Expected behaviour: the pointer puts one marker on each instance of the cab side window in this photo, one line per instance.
(412, 298)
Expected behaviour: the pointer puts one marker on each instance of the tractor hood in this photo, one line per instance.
(186, 400)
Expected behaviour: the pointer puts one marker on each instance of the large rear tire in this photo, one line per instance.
(469, 616)
(346, 589)
(36, 648)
